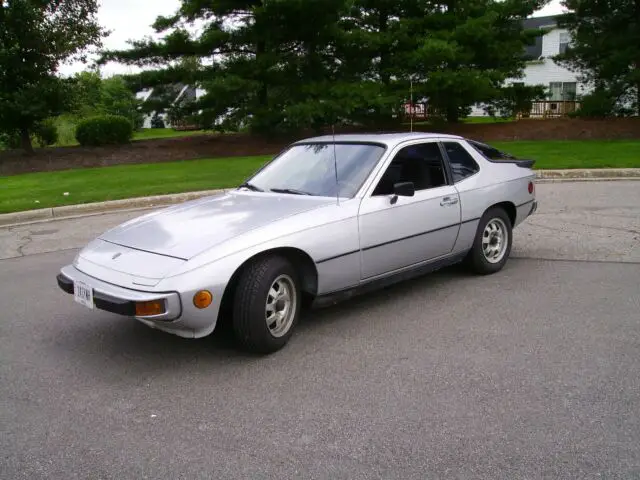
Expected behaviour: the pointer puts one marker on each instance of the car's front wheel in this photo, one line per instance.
(266, 304)
(492, 244)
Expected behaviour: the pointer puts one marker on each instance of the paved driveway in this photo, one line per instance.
(530, 373)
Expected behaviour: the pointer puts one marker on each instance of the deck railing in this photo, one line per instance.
(539, 109)
(550, 109)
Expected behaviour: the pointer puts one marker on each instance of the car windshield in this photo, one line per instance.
(310, 169)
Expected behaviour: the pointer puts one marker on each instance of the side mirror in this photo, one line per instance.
(403, 189)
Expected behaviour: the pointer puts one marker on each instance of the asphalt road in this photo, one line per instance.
(530, 373)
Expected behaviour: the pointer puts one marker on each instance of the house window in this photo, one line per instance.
(563, 91)
(564, 41)
(569, 91)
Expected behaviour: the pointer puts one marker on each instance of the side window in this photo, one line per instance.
(462, 163)
(421, 164)
(490, 152)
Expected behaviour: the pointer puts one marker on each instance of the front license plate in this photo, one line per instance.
(83, 294)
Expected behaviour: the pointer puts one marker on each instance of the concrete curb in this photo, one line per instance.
(87, 209)
(586, 179)
(590, 173)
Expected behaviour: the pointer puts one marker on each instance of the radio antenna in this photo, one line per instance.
(335, 163)
(411, 103)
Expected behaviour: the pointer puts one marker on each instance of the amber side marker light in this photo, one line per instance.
(146, 309)
(202, 299)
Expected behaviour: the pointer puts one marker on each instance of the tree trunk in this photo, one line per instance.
(383, 21)
(385, 77)
(259, 122)
(638, 61)
(452, 114)
(263, 93)
(25, 140)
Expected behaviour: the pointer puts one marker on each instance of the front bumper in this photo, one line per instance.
(119, 300)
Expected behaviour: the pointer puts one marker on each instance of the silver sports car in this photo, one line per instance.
(327, 218)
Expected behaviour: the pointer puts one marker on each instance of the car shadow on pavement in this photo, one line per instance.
(127, 343)
(394, 294)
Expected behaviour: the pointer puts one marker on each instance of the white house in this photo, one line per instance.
(541, 69)
(562, 84)
(179, 91)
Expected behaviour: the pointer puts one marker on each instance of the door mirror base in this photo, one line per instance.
(403, 189)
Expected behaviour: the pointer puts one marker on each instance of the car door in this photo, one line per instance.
(400, 231)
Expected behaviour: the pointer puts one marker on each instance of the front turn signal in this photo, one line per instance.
(147, 309)
(202, 299)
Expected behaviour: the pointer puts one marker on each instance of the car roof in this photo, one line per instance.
(388, 139)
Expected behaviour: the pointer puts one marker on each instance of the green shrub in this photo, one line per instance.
(514, 99)
(42, 135)
(597, 104)
(104, 130)
(46, 133)
(157, 122)
(66, 126)
(10, 140)
(603, 103)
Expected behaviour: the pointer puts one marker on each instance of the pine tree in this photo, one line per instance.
(283, 65)
(605, 46)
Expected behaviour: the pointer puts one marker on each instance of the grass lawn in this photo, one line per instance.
(486, 120)
(151, 133)
(67, 134)
(66, 125)
(576, 154)
(20, 192)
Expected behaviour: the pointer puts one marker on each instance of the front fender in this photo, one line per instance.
(325, 245)
(214, 277)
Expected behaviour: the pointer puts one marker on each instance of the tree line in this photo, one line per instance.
(283, 65)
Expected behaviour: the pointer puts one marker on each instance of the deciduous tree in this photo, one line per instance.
(36, 36)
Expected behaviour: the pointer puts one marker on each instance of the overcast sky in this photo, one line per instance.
(131, 19)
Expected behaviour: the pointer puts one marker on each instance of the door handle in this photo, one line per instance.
(448, 201)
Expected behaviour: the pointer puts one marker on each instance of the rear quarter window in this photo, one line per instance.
(490, 152)
(462, 163)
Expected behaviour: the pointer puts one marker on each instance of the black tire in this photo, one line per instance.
(249, 309)
(476, 259)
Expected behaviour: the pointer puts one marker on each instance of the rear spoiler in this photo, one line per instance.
(496, 156)
(517, 161)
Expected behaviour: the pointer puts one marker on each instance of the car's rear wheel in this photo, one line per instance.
(266, 304)
(492, 244)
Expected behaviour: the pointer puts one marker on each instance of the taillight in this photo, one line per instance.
(531, 188)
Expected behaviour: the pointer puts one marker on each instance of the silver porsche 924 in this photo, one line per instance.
(327, 218)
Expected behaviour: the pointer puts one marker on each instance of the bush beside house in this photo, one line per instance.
(104, 130)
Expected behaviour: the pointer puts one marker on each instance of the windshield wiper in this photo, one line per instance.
(290, 190)
(250, 186)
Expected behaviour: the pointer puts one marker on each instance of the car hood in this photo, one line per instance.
(185, 230)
